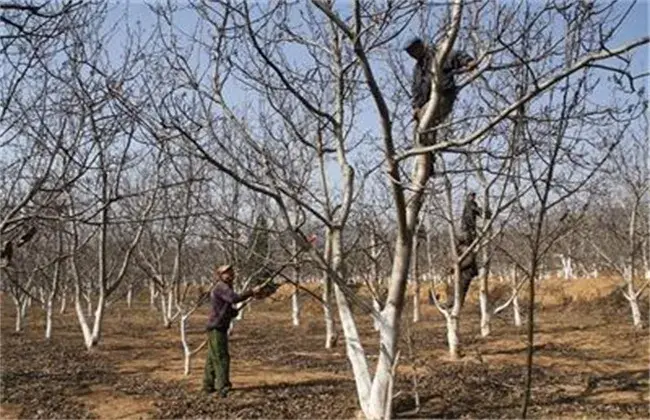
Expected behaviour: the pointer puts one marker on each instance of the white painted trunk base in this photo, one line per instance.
(295, 307)
(452, 336)
(48, 319)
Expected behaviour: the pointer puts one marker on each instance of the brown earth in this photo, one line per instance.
(589, 362)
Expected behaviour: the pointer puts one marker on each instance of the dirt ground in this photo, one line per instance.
(589, 362)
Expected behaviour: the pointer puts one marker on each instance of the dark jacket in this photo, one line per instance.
(222, 312)
(468, 221)
(421, 84)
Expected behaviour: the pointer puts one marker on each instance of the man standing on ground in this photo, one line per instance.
(222, 298)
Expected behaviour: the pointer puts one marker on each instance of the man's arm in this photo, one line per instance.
(247, 294)
(462, 61)
(229, 295)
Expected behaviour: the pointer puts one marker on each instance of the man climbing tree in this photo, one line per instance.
(456, 62)
(468, 265)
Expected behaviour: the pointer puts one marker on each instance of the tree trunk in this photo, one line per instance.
(166, 308)
(99, 317)
(152, 294)
(632, 298)
(389, 331)
(484, 303)
(295, 296)
(375, 254)
(85, 329)
(63, 303)
(295, 307)
(355, 351)
(416, 303)
(48, 318)
(89, 307)
(376, 323)
(19, 315)
(567, 267)
(187, 354)
(452, 336)
(636, 313)
(516, 310)
(327, 295)
(416, 280)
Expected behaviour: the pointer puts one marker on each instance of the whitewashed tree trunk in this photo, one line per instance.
(24, 306)
(375, 253)
(99, 316)
(63, 303)
(636, 313)
(152, 294)
(380, 397)
(484, 303)
(187, 354)
(48, 318)
(516, 311)
(170, 301)
(54, 289)
(484, 271)
(19, 314)
(295, 307)
(453, 336)
(89, 306)
(166, 300)
(19, 319)
(85, 329)
(295, 296)
(567, 267)
(327, 312)
(354, 349)
(632, 297)
(416, 279)
(376, 323)
(327, 295)
(416, 303)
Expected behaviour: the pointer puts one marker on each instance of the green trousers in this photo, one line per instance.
(217, 365)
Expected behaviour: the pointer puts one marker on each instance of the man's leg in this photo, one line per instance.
(210, 363)
(469, 270)
(222, 367)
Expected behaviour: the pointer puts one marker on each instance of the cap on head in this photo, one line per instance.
(414, 47)
(224, 269)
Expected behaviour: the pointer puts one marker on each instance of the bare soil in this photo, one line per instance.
(589, 362)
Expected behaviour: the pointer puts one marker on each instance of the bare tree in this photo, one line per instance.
(373, 394)
(616, 231)
(269, 144)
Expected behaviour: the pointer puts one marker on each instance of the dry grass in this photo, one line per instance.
(589, 362)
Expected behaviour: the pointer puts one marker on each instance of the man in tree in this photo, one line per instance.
(456, 62)
(468, 265)
(222, 298)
